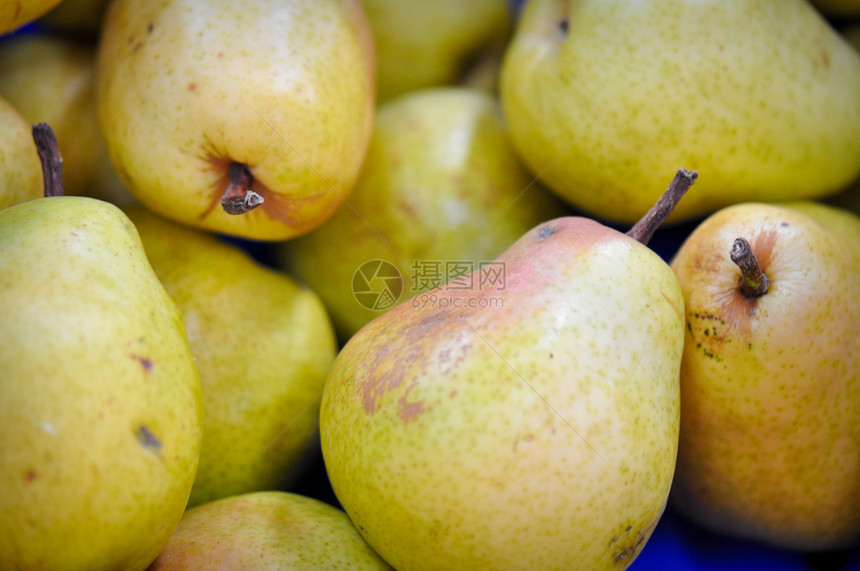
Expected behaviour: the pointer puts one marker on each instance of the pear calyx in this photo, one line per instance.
(754, 282)
(239, 198)
(643, 230)
(52, 160)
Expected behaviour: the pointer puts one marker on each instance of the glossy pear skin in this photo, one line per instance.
(20, 169)
(101, 408)
(770, 430)
(51, 78)
(531, 427)
(267, 530)
(632, 89)
(263, 346)
(423, 44)
(186, 87)
(441, 183)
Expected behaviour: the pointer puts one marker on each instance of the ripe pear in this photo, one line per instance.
(267, 530)
(50, 78)
(249, 118)
(20, 170)
(531, 424)
(441, 184)
(423, 44)
(262, 345)
(770, 380)
(101, 408)
(17, 13)
(602, 96)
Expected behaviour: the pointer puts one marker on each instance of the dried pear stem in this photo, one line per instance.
(239, 198)
(52, 160)
(648, 224)
(754, 282)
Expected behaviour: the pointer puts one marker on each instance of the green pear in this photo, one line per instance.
(602, 96)
(267, 530)
(423, 44)
(101, 409)
(49, 78)
(262, 345)
(17, 13)
(245, 118)
(20, 171)
(770, 380)
(531, 423)
(441, 184)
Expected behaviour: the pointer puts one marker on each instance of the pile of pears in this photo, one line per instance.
(615, 253)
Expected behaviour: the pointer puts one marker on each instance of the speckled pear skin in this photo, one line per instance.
(20, 169)
(632, 89)
(263, 346)
(533, 427)
(101, 408)
(770, 418)
(441, 182)
(185, 87)
(267, 531)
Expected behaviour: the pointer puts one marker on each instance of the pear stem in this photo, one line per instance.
(754, 282)
(239, 198)
(52, 160)
(648, 224)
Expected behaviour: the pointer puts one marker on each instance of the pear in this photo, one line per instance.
(101, 409)
(424, 44)
(20, 171)
(245, 118)
(267, 530)
(50, 78)
(530, 424)
(262, 345)
(441, 186)
(15, 14)
(602, 96)
(770, 418)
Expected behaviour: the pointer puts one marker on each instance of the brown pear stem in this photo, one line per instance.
(52, 160)
(754, 282)
(239, 198)
(648, 224)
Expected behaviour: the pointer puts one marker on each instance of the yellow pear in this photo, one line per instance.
(770, 378)
(441, 189)
(250, 118)
(20, 171)
(531, 424)
(423, 44)
(49, 78)
(101, 407)
(263, 346)
(267, 530)
(16, 13)
(603, 96)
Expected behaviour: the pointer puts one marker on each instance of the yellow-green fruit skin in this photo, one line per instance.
(770, 386)
(534, 432)
(16, 13)
(187, 87)
(263, 346)
(101, 406)
(441, 185)
(20, 170)
(267, 530)
(632, 90)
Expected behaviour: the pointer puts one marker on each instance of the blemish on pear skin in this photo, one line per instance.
(146, 363)
(148, 439)
(545, 232)
(409, 411)
(30, 475)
